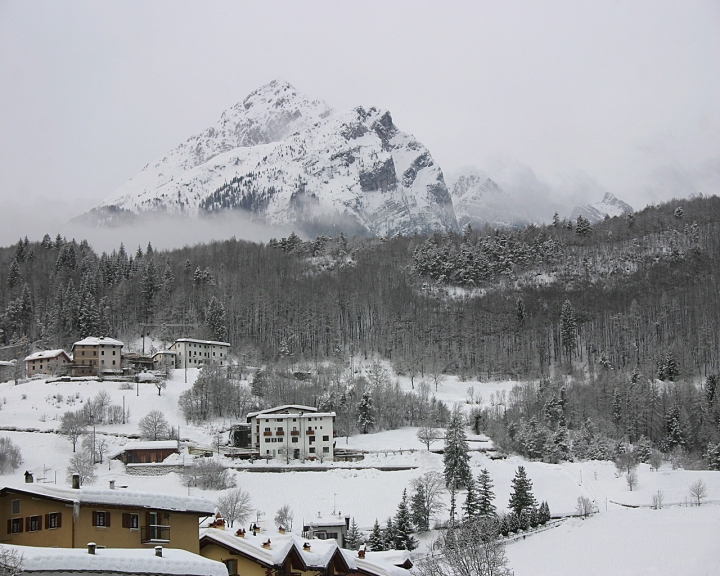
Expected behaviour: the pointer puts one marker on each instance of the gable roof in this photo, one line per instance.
(281, 409)
(46, 354)
(373, 565)
(196, 341)
(119, 497)
(93, 341)
(117, 560)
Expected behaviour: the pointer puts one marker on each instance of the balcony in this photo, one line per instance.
(154, 533)
(267, 433)
(295, 433)
(279, 433)
(310, 431)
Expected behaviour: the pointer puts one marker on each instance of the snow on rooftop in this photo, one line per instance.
(123, 560)
(93, 341)
(44, 354)
(372, 564)
(118, 497)
(285, 409)
(209, 342)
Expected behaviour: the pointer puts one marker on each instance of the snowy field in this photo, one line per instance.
(618, 540)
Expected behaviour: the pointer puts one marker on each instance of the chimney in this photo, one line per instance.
(112, 484)
(76, 486)
(347, 522)
(28, 477)
(158, 551)
(91, 548)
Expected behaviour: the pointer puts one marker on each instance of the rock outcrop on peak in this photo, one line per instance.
(285, 159)
(608, 207)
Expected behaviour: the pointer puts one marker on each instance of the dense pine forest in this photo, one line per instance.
(618, 307)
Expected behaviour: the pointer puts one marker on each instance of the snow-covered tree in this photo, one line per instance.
(83, 465)
(376, 542)
(353, 538)
(389, 535)
(426, 500)
(234, 506)
(521, 497)
(485, 497)
(10, 458)
(404, 539)
(154, 426)
(284, 516)
(456, 456)
(366, 413)
(470, 507)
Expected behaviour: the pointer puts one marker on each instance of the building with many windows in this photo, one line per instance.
(96, 356)
(48, 515)
(192, 353)
(293, 431)
(47, 362)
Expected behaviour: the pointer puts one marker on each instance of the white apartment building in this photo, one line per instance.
(192, 353)
(293, 431)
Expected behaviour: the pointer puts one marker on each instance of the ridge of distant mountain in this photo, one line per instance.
(609, 206)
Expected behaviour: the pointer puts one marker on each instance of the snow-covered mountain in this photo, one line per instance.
(478, 201)
(609, 206)
(286, 159)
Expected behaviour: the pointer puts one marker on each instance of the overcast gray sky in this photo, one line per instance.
(574, 97)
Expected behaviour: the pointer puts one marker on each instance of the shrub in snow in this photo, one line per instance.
(10, 457)
(208, 474)
(657, 500)
(584, 507)
(655, 460)
(631, 479)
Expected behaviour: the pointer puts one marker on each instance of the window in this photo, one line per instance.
(312, 449)
(326, 438)
(231, 567)
(113, 352)
(295, 438)
(53, 520)
(131, 521)
(15, 526)
(267, 440)
(280, 429)
(326, 450)
(102, 353)
(311, 439)
(16, 506)
(267, 429)
(101, 519)
(33, 523)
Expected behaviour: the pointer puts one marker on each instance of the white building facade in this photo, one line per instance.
(192, 353)
(293, 432)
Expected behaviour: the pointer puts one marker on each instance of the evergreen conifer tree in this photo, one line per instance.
(376, 542)
(486, 496)
(366, 413)
(470, 507)
(353, 538)
(456, 456)
(389, 535)
(418, 507)
(521, 497)
(404, 539)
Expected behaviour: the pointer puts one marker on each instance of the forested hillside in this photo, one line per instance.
(616, 305)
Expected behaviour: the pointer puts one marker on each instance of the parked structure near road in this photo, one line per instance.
(293, 431)
(146, 452)
(45, 515)
(47, 362)
(97, 356)
(191, 353)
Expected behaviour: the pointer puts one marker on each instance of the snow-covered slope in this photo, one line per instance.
(609, 206)
(287, 159)
(478, 201)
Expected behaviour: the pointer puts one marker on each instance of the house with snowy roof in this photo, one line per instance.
(192, 353)
(96, 356)
(47, 362)
(50, 515)
(94, 559)
(293, 431)
(7, 370)
(145, 452)
(256, 553)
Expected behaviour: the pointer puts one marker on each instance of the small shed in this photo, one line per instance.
(146, 452)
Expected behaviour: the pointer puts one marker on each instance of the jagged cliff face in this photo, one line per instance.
(609, 206)
(478, 201)
(285, 159)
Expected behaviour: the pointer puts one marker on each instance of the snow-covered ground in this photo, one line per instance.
(618, 540)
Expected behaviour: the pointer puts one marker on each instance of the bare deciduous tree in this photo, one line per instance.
(584, 507)
(11, 562)
(631, 479)
(83, 465)
(234, 506)
(428, 435)
(698, 491)
(73, 426)
(431, 486)
(208, 474)
(284, 516)
(657, 500)
(154, 426)
(10, 458)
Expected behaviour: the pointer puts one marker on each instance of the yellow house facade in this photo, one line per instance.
(41, 515)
